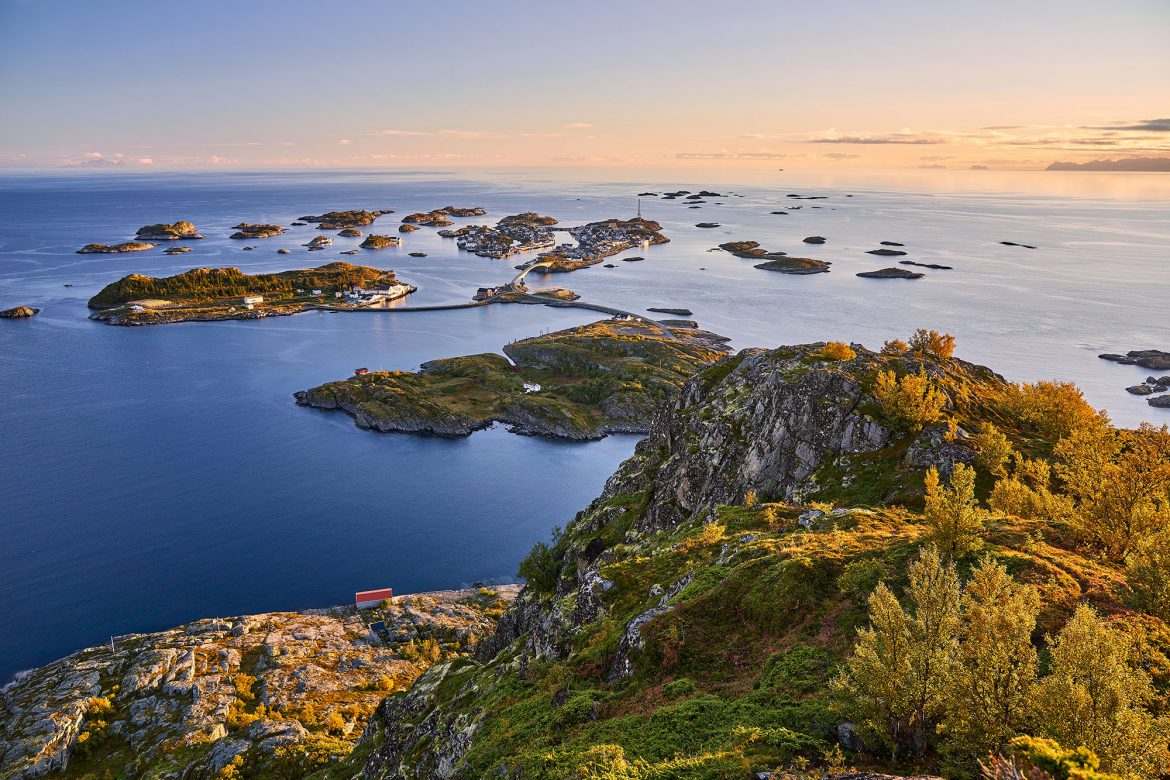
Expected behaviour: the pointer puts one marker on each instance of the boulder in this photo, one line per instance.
(19, 313)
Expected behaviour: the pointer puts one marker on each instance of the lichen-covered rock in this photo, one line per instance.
(179, 231)
(114, 249)
(234, 687)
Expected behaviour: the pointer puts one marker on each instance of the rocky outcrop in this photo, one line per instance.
(178, 231)
(798, 266)
(338, 220)
(115, 249)
(1154, 359)
(375, 241)
(886, 252)
(246, 231)
(243, 686)
(19, 313)
(891, 273)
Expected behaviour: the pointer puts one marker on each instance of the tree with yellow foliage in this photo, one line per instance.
(1119, 481)
(996, 673)
(910, 402)
(955, 518)
(992, 450)
(896, 679)
(930, 342)
(1096, 697)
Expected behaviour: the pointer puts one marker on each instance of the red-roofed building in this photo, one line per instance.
(372, 598)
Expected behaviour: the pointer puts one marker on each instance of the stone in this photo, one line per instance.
(885, 252)
(1140, 390)
(19, 313)
(814, 239)
(891, 273)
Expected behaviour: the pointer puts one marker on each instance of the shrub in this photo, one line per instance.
(334, 722)
(992, 450)
(1148, 572)
(895, 347)
(954, 516)
(1049, 410)
(578, 709)
(911, 402)
(541, 568)
(931, 342)
(836, 351)
(676, 689)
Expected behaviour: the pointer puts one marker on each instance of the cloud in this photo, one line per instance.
(841, 156)
(893, 138)
(145, 161)
(435, 134)
(1146, 125)
(93, 155)
(576, 125)
(344, 141)
(723, 155)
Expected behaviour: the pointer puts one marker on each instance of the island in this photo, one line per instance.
(375, 241)
(115, 249)
(19, 313)
(1155, 359)
(176, 250)
(350, 233)
(796, 266)
(779, 262)
(407, 227)
(212, 294)
(891, 273)
(246, 231)
(577, 384)
(599, 240)
(886, 252)
(178, 231)
(440, 217)
(336, 220)
(527, 232)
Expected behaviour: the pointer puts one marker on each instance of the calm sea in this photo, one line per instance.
(152, 476)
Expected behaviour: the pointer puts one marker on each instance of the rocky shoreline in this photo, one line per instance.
(211, 694)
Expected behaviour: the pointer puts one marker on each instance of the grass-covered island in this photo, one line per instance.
(208, 294)
(578, 384)
(599, 240)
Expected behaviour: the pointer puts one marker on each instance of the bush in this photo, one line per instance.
(992, 450)
(578, 709)
(541, 568)
(909, 403)
(931, 342)
(676, 689)
(895, 347)
(1049, 410)
(836, 350)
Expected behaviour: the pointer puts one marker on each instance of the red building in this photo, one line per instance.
(372, 598)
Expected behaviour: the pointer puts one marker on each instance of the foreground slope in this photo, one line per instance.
(689, 622)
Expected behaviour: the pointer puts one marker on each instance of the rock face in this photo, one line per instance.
(244, 686)
(114, 249)
(19, 312)
(181, 230)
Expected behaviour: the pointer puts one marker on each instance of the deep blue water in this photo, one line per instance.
(156, 475)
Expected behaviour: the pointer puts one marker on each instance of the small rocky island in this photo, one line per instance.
(19, 313)
(441, 217)
(892, 273)
(212, 294)
(375, 241)
(1154, 359)
(578, 384)
(246, 231)
(115, 249)
(178, 231)
(779, 262)
(337, 220)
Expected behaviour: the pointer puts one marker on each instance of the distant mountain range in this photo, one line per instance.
(1151, 164)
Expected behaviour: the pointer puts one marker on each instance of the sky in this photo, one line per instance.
(255, 84)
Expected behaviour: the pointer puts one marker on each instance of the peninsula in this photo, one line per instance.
(210, 294)
(578, 384)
